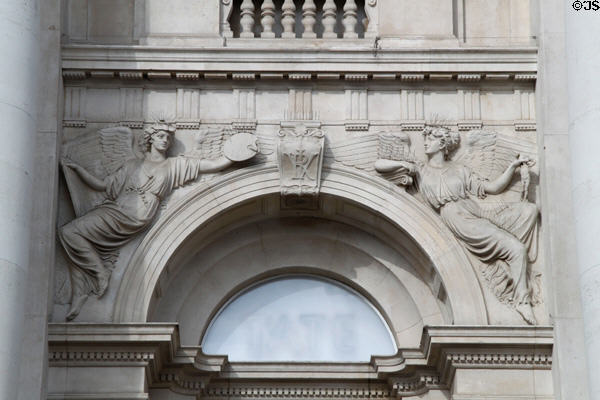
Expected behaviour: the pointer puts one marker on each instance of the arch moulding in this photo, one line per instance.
(209, 200)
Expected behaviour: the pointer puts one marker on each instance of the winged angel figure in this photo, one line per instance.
(502, 235)
(118, 194)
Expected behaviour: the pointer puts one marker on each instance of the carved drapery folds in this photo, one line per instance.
(500, 233)
(256, 102)
(300, 160)
(117, 183)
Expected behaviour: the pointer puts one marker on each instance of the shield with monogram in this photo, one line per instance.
(300, 158)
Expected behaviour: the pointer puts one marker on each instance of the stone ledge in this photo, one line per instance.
(155, 347)
(522, 61)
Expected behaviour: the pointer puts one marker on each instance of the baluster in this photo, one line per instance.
(350, 19)
(226, 8)
(268, 19)
(372, 20)
(309, 18)
(288, 19)
(329, 14)
(247, 19)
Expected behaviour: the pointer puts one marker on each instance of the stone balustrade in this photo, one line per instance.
(307, 19)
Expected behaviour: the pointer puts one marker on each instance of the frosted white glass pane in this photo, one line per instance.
(299, 319)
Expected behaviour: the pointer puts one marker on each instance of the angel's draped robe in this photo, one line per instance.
(133, 194)
(506, 231)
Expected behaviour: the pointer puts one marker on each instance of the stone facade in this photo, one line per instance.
(417, 153)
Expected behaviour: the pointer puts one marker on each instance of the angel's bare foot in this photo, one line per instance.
(76, 305)
(527, 313)
(103, 280)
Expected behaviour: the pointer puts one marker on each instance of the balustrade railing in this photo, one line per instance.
(287, 19)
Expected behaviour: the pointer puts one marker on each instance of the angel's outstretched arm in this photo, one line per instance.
(89, 179)
(215, 165)
(499, 184)
(383, 166)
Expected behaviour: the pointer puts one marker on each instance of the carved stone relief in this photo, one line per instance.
(116, 188)
(501, 234)
(300, 160)
(267, 107)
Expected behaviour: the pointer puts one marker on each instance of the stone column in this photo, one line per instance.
(583, 79)
(18, 93)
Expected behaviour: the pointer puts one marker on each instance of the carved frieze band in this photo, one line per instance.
(188, 386)
(497, 360)
(78, 75)
(100, 356)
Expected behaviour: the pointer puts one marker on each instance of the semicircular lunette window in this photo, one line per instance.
(299, 318)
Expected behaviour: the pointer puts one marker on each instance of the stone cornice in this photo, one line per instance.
(410, 372)
(349, 59)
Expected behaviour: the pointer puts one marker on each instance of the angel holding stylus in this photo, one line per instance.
(505, 232)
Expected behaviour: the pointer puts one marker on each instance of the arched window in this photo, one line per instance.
(299, 318)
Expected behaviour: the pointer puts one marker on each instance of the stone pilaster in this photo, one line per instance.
(18, 100)
(583, 64)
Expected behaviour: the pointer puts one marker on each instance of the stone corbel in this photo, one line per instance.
(357, 125)
(300, 160)
(134, 124)
(525, 125)
(74, 123)
(75, 103)
(245, 106)
(188, 124)
(469, 125)
(357, 118)
(413, 126)
(244, 125)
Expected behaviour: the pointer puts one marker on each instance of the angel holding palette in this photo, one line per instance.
(131, 192)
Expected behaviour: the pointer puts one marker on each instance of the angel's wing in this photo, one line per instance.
(118, 146)
(488, 153)
(266, 146)
(209, 142)
(362, 152)
(479, 154)
(395, 146)
(359, 152)
(101, 153)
